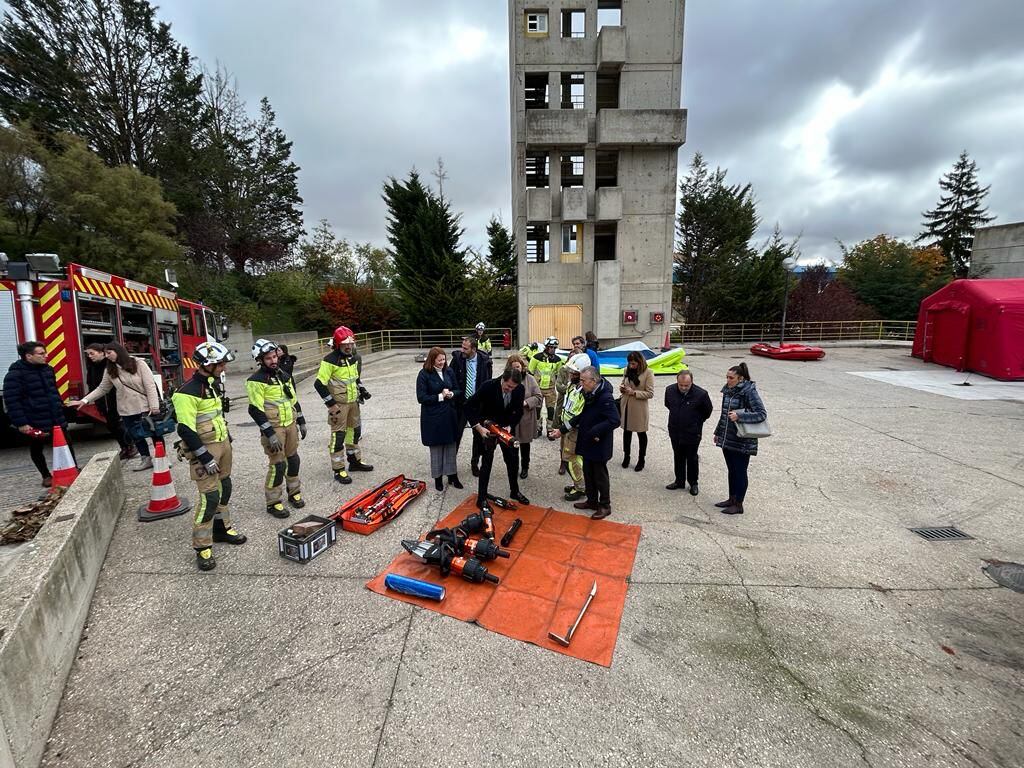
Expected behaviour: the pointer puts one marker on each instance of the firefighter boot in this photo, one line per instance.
(277, 510)
(295, 499)
(355, 465)
(204, 559)
(225, 534)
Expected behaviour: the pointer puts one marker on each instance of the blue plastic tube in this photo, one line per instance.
(414, 587)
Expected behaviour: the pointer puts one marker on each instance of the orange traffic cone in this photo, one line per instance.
(668, 344)
(163, 500)
(64, 469)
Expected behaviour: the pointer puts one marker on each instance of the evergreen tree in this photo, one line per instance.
(501, 253)
(952, 222)
(105, 70)
(715, 225)
(430, 268)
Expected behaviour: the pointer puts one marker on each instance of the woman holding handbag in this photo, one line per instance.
(741, 406)
(137, 396)
(636, 390)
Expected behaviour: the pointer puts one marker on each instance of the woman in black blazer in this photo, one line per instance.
(437, 394)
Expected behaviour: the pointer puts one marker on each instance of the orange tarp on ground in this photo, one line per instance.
(555, 559)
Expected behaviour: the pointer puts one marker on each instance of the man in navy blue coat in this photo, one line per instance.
(595, 428)
(33, 402)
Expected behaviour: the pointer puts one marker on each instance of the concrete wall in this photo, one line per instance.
(44, 601)
(998, 251)
(647, 130)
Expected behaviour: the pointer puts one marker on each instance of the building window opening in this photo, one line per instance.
(572, 90)
(606, 167)
(537, 170)
(536, 90)
(572, 170)
(572, 243)
(609, 13)
(537, 243)
(537, 23)
(607, 91)
(574, 23)
(604, 241)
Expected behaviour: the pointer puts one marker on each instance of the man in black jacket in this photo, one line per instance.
(595, 435)
(689, 407)
(498, 401)
(469, 362)
(33, 403)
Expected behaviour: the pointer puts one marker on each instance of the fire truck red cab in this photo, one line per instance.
(67, 309)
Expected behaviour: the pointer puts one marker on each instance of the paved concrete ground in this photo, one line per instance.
(814, 630)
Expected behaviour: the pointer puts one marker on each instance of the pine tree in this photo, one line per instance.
(430, 268)
(952, 222)
(501, 253)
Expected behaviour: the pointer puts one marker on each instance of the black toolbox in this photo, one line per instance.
(302, 549)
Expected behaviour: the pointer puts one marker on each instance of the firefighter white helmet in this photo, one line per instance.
(481, 327)
(212, 353)
(551, 341)
(577, 363)
(260, 347)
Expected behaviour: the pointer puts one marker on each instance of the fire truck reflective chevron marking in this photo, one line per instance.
(53, 336)
(114, 291)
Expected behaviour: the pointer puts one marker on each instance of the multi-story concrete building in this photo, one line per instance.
(998, 251)
(596, 130)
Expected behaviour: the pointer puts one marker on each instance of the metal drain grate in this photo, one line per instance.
(947, 533)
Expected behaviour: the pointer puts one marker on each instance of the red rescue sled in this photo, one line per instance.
(787, 351)
(373, 508)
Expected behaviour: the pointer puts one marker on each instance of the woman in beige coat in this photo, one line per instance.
(637, 388)
(137, 396)
(533, 398)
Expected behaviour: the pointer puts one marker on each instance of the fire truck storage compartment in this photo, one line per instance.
(137, 331)
(170, 346)
(97, 319)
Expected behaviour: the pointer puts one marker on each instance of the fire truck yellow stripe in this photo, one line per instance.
(50, 312)
(57, 358)
(52, 328)
(54, 344)
(62, 389)
(62, 373)
(49, 293)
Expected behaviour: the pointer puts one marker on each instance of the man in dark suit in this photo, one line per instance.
(689, 407)
(498, 401)
(595, 429)
(472, 364)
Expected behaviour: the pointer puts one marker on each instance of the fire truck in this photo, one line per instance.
(66, 309)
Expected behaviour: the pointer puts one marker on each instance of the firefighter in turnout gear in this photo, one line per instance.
(572, 405)
(206, 444)
(544, 366)
(274, 406)
(337, 382)
(483, 341)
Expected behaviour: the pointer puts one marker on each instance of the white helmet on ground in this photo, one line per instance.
(577, 363)
(212, 353)
(260, 347)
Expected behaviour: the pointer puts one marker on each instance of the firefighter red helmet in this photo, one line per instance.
(342, 335)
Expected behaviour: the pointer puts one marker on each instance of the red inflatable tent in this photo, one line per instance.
(974, 325)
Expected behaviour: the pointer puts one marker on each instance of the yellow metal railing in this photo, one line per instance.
(832, 330)
(414, 338)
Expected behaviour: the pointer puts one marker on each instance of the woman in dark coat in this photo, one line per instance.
(740, 402)
(436, 392)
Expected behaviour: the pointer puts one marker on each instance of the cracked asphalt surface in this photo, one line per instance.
(814, 630)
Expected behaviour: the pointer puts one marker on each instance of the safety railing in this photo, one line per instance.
(415, 338)
(832, 330)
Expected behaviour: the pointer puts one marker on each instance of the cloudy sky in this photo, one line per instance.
(841, 113)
